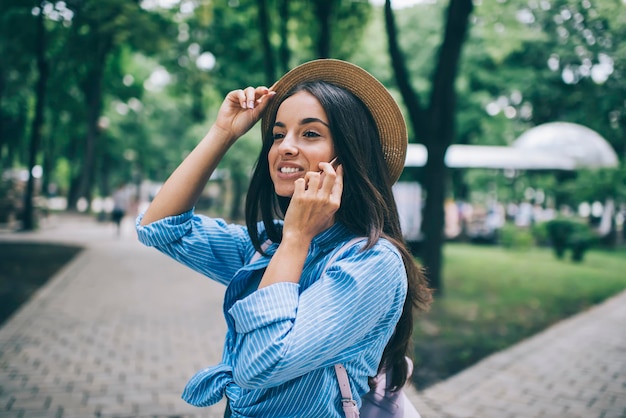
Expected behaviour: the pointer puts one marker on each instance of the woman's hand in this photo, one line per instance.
(315, 201)
(241, 109)
(312, 209)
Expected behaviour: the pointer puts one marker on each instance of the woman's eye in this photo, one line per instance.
(277, 135)
(311, 134)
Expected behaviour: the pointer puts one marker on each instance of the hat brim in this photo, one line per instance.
(382, 106)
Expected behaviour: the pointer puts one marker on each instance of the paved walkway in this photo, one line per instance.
(119, 330)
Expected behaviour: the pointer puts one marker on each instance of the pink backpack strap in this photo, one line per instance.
(348, 404)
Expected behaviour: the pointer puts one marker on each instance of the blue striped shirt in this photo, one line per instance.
(284, 339)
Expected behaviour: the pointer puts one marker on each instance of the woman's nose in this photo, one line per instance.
(288, 145)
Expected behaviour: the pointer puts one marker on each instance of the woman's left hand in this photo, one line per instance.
(315, 201)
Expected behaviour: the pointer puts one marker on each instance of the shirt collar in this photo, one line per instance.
(329, 238)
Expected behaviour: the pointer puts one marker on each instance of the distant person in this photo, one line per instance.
(121, 204)
(303, 295)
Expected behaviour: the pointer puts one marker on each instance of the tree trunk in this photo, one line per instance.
(2, 129)
(323, 14)
(49, 155)
(198, 112)
(435, 126)
(435, 173)
(238, 184)
(92, 88)
(441, 116)
(402, 77)
(284, 53)
(28, 214)
(72, 194)
(268, 54)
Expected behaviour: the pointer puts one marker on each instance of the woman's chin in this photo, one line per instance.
(284, 188)
(284, 192)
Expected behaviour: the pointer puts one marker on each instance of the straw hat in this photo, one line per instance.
(382, 106)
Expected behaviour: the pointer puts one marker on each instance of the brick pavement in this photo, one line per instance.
(119, 330)
(116, 333)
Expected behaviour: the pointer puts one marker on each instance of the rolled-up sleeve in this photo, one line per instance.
(209, 246)
(164, 231)
(275, 303)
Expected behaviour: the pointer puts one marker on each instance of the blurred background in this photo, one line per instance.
(516, 112)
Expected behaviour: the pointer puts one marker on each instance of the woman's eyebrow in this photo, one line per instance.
(312, 120)
(303, 122)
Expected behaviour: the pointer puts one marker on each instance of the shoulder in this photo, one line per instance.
(381, 259)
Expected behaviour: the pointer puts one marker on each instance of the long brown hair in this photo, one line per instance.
(367, 208)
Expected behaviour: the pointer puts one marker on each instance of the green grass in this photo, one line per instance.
(494, 297)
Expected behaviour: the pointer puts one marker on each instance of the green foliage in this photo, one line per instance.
(513, 237)
(505, 58)
(496, 297)
(570, 234)
(349, 21)
(595, 185)
(540, 234)
(576, 45)
(498, 29)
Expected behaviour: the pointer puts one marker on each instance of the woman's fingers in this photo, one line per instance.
(242, 109)
(316, 199)
(329, 176)
(251, 96)
(337, 186)
(312, 181)
(324, 187)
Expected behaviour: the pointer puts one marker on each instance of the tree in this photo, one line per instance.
(28, 221)
(98, 30)
(433, 125)
(268, 52)
(17, 75)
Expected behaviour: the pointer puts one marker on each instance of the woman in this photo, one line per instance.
(299, 299)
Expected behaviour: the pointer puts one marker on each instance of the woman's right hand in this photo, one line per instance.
(241, 109)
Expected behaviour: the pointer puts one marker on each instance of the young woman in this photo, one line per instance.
(303, 295)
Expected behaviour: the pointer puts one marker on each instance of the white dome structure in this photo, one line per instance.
(584, 146)
(551, 146)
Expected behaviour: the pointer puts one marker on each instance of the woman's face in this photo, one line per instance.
(302, 140)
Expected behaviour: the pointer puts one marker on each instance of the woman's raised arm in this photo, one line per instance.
(240, 110)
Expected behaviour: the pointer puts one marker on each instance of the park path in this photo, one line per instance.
(119, 330)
